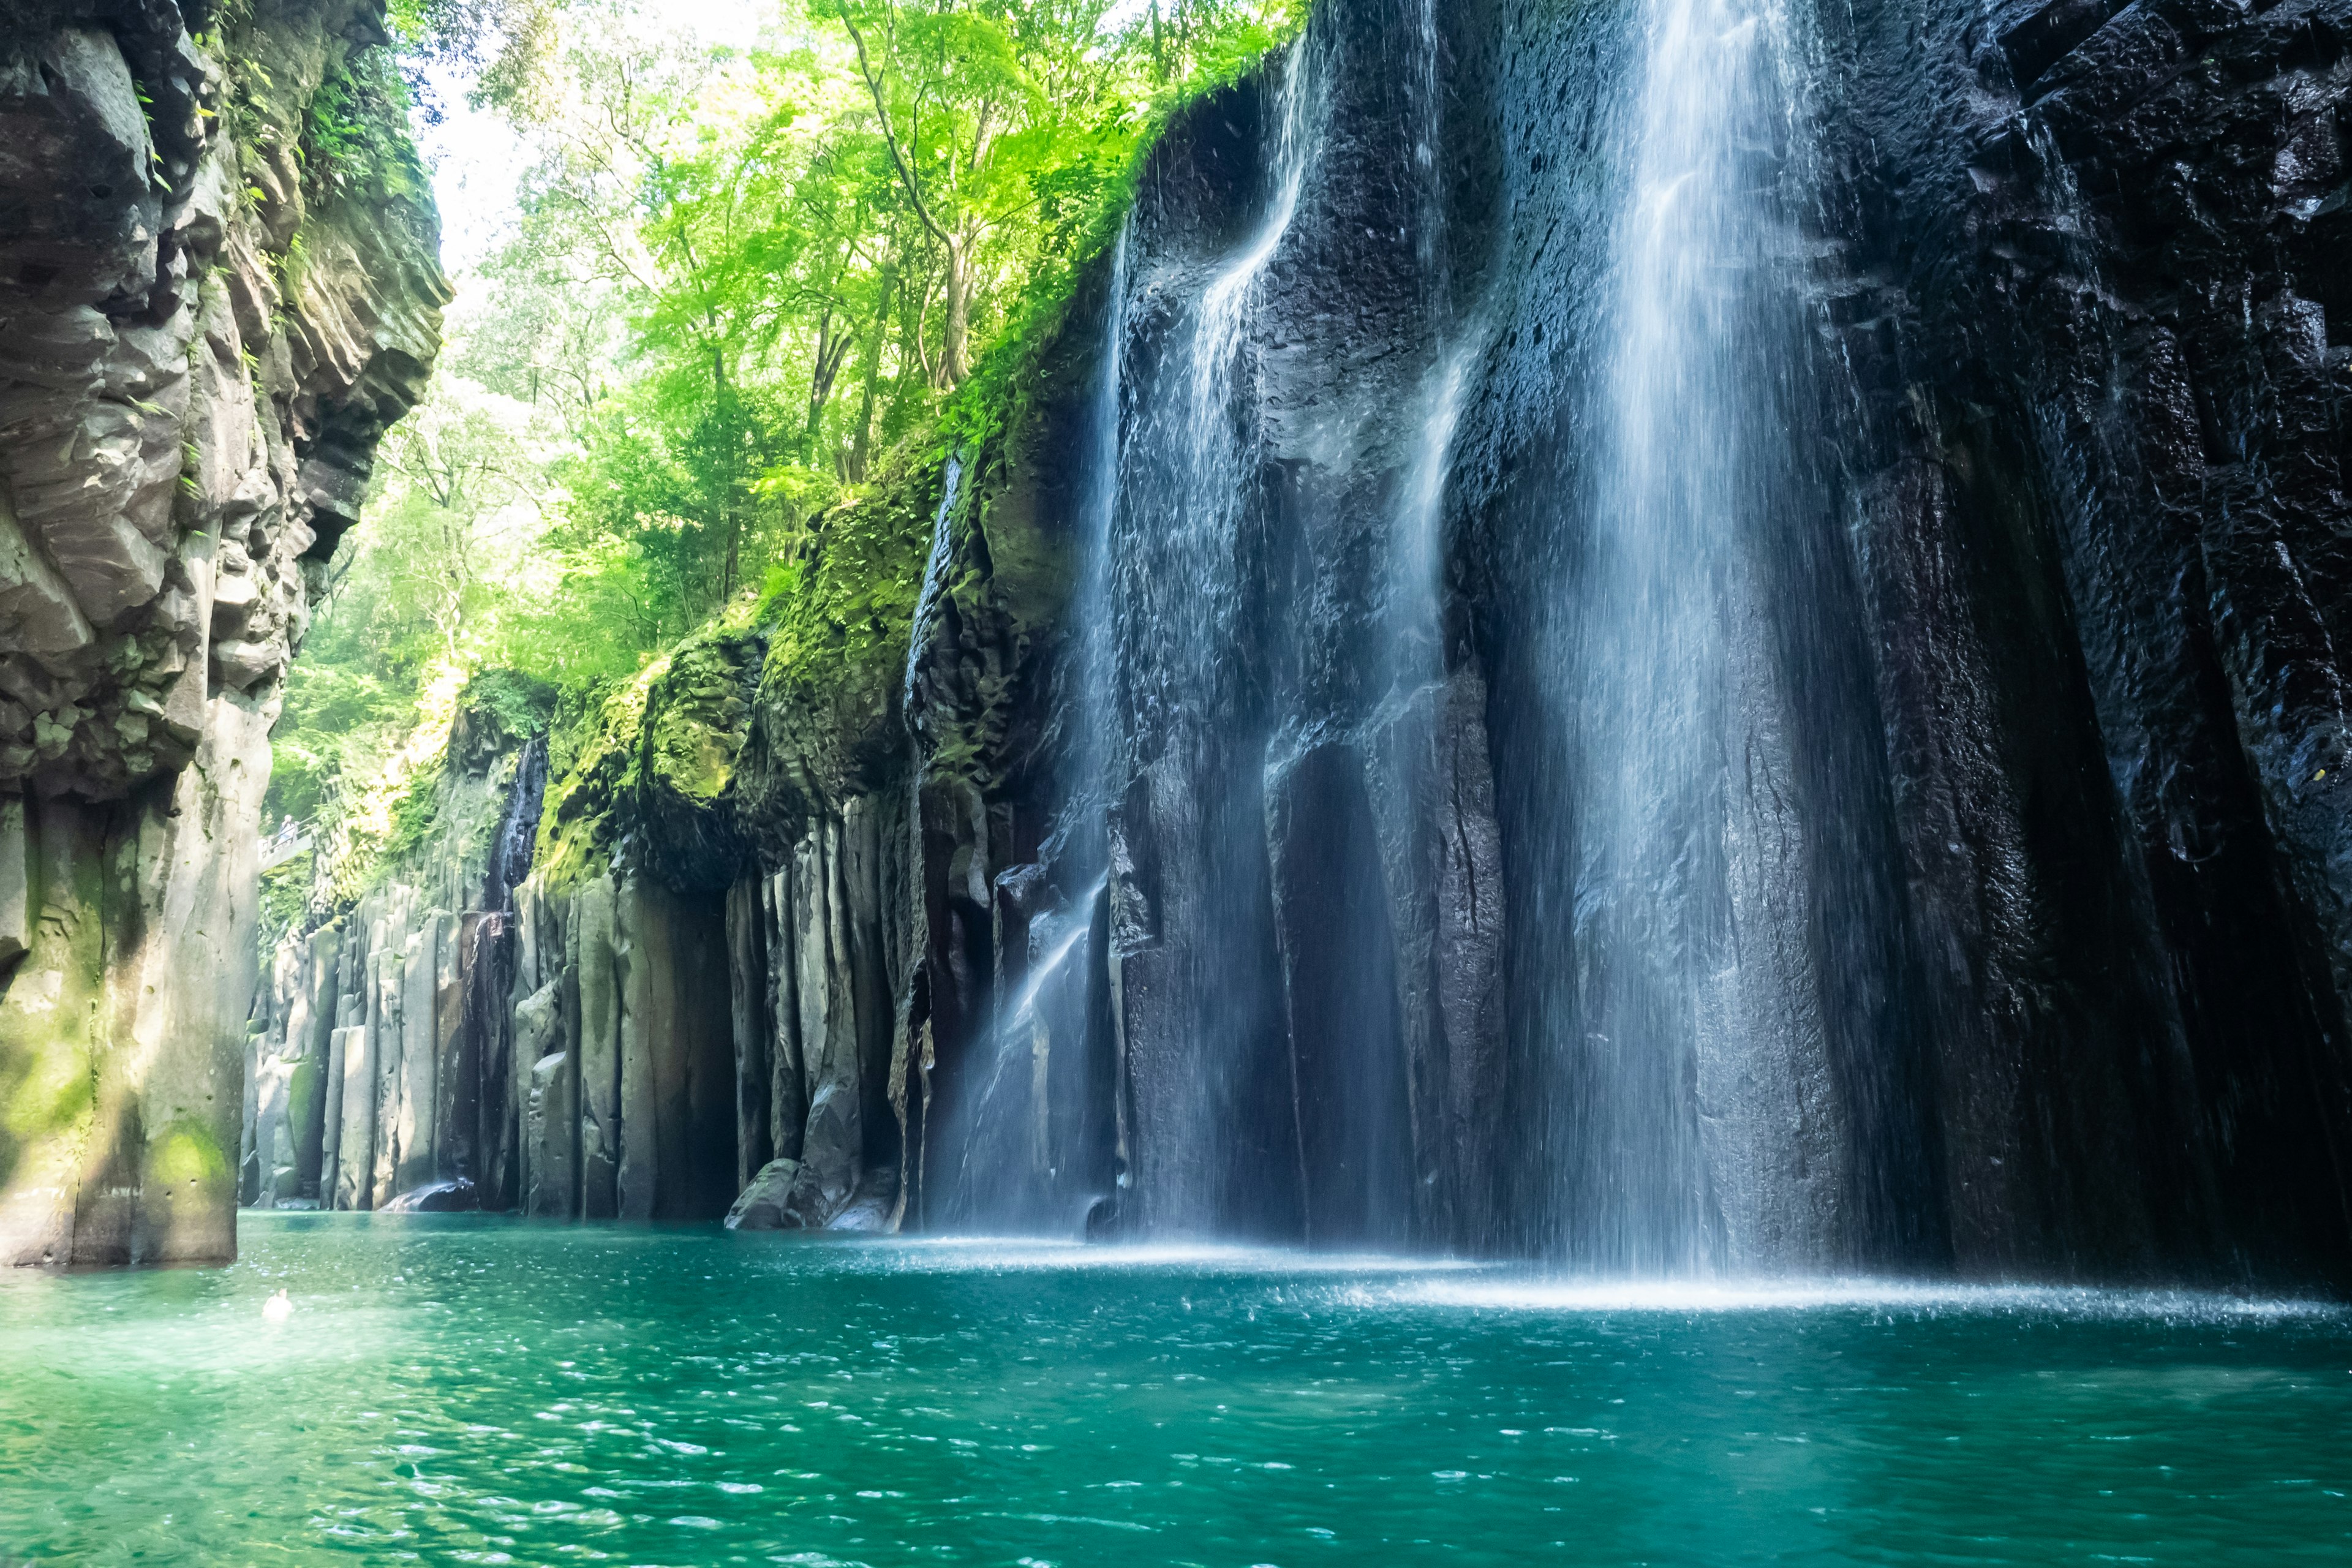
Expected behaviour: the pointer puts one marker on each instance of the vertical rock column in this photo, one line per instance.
(186, 427)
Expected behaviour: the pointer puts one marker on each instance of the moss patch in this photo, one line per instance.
(186, 1155)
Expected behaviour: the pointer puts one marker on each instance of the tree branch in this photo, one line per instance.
(890, 136)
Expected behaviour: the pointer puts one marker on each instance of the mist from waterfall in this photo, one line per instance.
(1693, 1119)
(1181, 558)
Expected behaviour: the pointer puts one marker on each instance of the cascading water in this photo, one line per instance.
(480, 1139)
(511, 852)
(1189, 901)
(1416, 566)
(1694, 1112)
(1274, 828)
(1030, 1147)
(1035, 1125)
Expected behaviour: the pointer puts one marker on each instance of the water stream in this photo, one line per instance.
(1183, 558)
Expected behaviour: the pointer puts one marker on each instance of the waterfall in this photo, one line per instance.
(1189, 903)
(1695, 1116)
(1088, 701)
(1416, 566)
(1247, 988)
(511, 852)
(1032, 1137)
(481, 1141)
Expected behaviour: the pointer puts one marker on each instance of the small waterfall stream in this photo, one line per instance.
(480, 1142)
(1183, 558)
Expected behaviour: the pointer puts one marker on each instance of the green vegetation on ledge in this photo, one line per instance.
(684, 452)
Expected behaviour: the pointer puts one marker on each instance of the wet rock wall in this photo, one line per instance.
(2039, 901)
(2099, 504)
(202, 335)
(2073, 419)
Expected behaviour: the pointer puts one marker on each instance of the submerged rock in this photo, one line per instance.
(457, 1196)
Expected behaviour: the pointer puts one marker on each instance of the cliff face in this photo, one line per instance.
(2063, 613)
(218, 286)
(2099, 339)
(1312, 765)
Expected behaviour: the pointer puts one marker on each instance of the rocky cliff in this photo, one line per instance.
(218, 286)
(1229, 789)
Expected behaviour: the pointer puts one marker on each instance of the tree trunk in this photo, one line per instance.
(734, 543)
(955, 364)
(861, 453)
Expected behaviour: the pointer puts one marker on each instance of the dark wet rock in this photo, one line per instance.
(765, 1202)
(2099, 326)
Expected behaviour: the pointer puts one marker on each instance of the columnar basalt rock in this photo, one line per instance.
(2019, 907)
(200, 342)
(2099, 336)
(402, 1008)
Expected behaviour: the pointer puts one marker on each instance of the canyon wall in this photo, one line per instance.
(1313, 764)
(206, 321)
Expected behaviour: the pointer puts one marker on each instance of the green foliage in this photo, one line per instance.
(285, 895)
(414, 813)
(355, 138)
(507, 704)
(747, 302)
(501, 44)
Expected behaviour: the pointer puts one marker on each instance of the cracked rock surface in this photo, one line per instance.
(205, 328)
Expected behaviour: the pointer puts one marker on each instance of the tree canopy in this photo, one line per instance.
(733, 279)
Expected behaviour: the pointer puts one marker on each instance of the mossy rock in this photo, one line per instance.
(718, 753)
(697, 716)
(980, 667)
(827, 723)
(497, 712)
(580, 819)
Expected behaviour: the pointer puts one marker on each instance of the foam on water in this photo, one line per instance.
(1688, 1296)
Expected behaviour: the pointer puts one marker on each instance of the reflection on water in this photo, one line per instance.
(473, 1389)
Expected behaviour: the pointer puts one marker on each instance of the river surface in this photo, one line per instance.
(474, 1390)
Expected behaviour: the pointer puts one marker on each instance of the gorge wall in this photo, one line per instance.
(206, 321)
(1666, 635)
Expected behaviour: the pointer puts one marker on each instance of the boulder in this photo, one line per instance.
(765, 1205)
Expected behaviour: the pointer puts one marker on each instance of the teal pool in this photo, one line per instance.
(477, 1390)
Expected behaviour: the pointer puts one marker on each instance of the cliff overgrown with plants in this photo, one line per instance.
(707, 377)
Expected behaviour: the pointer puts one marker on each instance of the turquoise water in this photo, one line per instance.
(470, 1390)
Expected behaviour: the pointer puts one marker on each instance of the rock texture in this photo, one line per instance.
(1149, 821)
(382, 1061)
(2099, 334)
(2075, 430)
(204, 326)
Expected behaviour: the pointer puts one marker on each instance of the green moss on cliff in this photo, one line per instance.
(578, 824)
(837, 644)
(678, 753)
(695, 716)
(430, 810)
(355, 138)
(819, 659)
